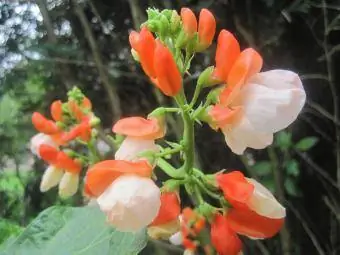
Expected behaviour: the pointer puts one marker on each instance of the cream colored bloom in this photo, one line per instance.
(131, 148)
(51, 178)
(131, 202)
(68, 185)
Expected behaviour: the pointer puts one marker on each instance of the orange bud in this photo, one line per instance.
(87, 103)
(44, 125)
(56, 110)
(189, 21)
(67, 164)
(48, 153)
(82, 130)
(144, 44)
(169, 79)
(140, 128)
(206, 29)
(246, 222)
(102, 174)
(75, 110)
(223, 238)
(247, 64)
(227, 51)
(169, 210)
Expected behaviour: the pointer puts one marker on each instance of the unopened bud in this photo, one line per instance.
(175, 21)
(205, 79)
(171, 185)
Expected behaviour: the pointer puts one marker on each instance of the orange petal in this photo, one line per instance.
(189, 21)
(223, 238)
(48, 153)
(146, 50)
(134, 40)
(227, 51)
(236, 189)
(66, 163)
(247, 64)
(169, 210)
(246, 222)
(56, 110)
(222, 115)
(138, 127)
(75, 110)
(87, 103)
(102, 174)
(206, 28)
(44, 125)
(82, 130)
(169, 79)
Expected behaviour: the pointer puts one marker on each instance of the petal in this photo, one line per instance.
(131, 148)
(38, 140)
(246, 222)
(247, 64)
(68, 185)
(44, 125)
(223, 238)
(131, 202)
(206, 28)
(236, 189)
(170, 209)
(222, 115)
(67, 163)
(264, 203)
(50, 178)
(48, 153)
(189, 21)
(169, 79)
(139, 128)
(228, 50)
(273, 99)
(134, 40)
(176, 239)
(146, 51)
(242, 134)
(56, 110)
(102, 174)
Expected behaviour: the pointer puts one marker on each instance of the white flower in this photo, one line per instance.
(40, 139)
(131, 148)
(270, 102)
(264, 203)
(130, 202)
(50, 178)
(68, 185)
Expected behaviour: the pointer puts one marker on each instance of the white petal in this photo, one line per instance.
(264, 203)
(241, 135)
(131, 148)
(68, 185)
(130, 202)
(273, 100)
(50, 178)
(38, 140)
(176, 239)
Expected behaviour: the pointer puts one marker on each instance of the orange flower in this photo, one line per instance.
(227, 51)
(80, 112)
(206, 29)
(223, 238)
(44, 125)
(48, 153)
(139, 128)
(82, 130)
(189, 22)
(168, 78)
(169, 210)
(246, 222)
(66, 163)
(144, 44)
(102, 174)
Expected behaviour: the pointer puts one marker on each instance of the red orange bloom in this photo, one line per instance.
(56, 110)
(206, 29)
(44, 125)
(170, 209)
(102, 174)
(189, 22)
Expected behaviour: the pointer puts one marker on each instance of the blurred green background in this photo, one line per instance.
(48, 46)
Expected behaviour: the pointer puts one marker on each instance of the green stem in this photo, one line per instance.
(196, 94)
(188, 142)
(169, 169)
(198, 195)
(206, 190)
(168, 152)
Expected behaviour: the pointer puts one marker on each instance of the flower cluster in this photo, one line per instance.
(247, 105)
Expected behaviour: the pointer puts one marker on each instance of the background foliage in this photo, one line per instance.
(47, 46)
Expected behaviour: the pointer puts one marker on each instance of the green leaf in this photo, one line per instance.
(306, 143)
(292, 168)
(76, 231)
(291, 187)
(269, 184)
(262, 168)
(283, 140)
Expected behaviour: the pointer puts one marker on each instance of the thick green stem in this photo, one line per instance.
(169, 169)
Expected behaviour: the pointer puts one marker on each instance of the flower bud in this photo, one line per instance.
(206, 29)
(175, 21)
(38, 140)
(189, 22)
(130, 202)
(206, 79)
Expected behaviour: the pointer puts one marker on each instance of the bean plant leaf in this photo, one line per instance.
(306, 143)
(262, 168)
(291, 187)
(292, 168)
(283, 140)
(74, 231)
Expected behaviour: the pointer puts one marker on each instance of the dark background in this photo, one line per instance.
(48, 46)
